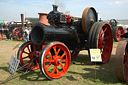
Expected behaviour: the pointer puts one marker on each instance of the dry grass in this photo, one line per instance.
(80, 73)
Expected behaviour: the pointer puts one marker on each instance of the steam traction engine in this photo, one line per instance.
(18, 28)
(4, 30)
(59, 37)
(116, 30)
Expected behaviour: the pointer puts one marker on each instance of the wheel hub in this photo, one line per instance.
(31, 55)
(57, 60)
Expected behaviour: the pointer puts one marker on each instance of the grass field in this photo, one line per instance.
(81, 72)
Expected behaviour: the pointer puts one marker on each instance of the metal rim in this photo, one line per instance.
(55, 60)
(119, 32)
(26, 55)
(92, 34)
(105, 41)
(121, 60)
(1, 36)
(74, 53)
(88, 19)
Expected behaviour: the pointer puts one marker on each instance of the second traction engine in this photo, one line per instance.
(58, 37)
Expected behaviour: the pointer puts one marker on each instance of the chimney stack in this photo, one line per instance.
(43, 19)
(55, 7)
(22, 19)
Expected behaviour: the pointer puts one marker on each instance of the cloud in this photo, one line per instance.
(123, 2)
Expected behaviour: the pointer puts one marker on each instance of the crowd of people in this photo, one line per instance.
(25, 30)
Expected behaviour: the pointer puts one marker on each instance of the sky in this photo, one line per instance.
(10, 10)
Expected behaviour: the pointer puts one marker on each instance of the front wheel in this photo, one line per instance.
(54, 60)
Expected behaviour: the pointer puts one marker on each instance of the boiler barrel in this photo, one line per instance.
(41, 34)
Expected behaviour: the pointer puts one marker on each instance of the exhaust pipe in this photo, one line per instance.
(55, 8)
(22, 19)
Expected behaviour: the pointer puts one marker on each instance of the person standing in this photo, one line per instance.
(26, 33)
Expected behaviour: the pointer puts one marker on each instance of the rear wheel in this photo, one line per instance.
(54, 60)
(102, 39)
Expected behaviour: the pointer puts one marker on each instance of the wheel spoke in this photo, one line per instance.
(63, 55)
(28, 49)
(62, 66)
(25, 52)
(48, 65)
(57, 70)
(63, 60)
(58, 51)
(25, 57)
(55, 50)
(106, 38)
(47, 60)
(29, 61)
(50, 54)
(53, 70)
(104, 31)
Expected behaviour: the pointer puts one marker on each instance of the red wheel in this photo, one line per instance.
(15, 32)
(121, 60)
(103, 40)
(74, 53)
(19, 36)
(54, 60)
(118, 31)
(27, 56)
(1, 36)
